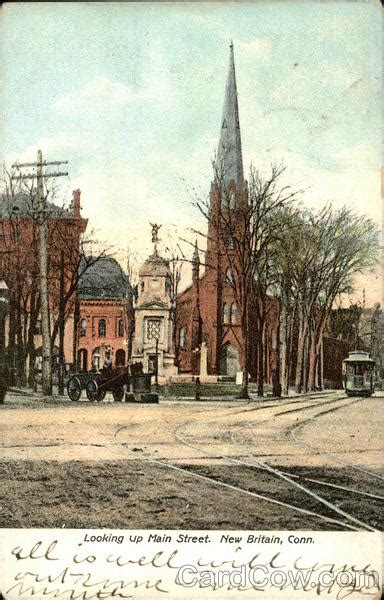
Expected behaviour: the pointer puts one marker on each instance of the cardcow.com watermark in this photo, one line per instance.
(260, 577)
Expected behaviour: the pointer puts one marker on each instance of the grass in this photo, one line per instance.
(207, 390)
(133, 494)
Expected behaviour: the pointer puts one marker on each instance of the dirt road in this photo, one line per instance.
(94, 461)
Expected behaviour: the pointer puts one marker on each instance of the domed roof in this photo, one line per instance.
(103, 279)
(155, 265)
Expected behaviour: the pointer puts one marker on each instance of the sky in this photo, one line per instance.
(131, 95)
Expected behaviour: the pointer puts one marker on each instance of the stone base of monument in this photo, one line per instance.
(142, 397)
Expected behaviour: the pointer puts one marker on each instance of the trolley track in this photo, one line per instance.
(348, 521)
(229, 486)
(283, 476)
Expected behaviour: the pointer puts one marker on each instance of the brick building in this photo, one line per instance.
(19, 266)
(104, 312)
(207, 311)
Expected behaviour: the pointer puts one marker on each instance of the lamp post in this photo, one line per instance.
(157, 365)
(4, 305)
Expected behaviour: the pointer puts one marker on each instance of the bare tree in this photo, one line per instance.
(176, 260)
(349, 246)
(68, 260)
(318, 263)
(247, 228)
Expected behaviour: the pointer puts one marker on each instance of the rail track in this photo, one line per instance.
(344, 519)
(258, 464)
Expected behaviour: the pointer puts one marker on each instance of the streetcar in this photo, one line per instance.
(358, 374)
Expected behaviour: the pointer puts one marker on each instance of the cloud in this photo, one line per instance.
(96, 92)
(258, 46)
(120, 204)
(50, 145)
(355, 183)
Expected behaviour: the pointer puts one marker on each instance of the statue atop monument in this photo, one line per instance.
(155, 236)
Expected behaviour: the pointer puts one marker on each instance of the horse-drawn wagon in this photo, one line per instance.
(129, 382)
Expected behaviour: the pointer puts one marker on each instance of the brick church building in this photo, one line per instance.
(207, 309)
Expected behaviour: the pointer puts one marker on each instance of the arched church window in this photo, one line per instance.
(102, 328)
(182, 338)
(83, 327)
(234, 313)
(121, 328)
(224, 199)
(232, 199)
(226, 313)
(229, 277)
(230, 242)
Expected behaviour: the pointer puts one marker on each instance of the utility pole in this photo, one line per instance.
(43, 261)
(61, 325)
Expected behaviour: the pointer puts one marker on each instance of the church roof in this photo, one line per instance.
(104, 279)
(155, 265)
(229, 163)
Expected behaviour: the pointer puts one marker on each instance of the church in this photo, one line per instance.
(207, 313)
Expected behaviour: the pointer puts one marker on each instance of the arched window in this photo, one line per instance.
(230, 242)
(120, 357)
(224, 199)
(232, 199)
(120, 328)
(234, 313)
(102, 328)
(226, 313)
(229, 277)
(83, 327)
(182, 338)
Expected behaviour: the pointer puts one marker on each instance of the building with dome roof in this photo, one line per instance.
(152, 343)
(103, 319)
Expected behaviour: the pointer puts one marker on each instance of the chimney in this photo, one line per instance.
(76, 204)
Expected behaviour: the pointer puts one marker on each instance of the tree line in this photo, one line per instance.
(281, 253)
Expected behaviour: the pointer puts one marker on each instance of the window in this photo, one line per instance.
(226, 313)
(102, 328)
(83, 327)
(234, 313)
(232, 199)
(120, 328)
(3, 236)
(142, 286)
(229, 277)
(224, 201)
(182, 338)
(230, 242)
(153, 329)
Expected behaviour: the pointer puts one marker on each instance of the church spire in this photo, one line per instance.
(229, 162)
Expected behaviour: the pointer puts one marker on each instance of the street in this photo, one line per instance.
(192, 464)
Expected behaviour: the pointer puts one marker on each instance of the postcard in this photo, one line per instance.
(191, 317)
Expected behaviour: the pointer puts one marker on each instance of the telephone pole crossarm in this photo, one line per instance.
(40, 164)
(45, 175)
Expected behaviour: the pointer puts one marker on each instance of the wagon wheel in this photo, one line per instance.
(92, 390)
(101, 394)
(74, 388)
(118, 394)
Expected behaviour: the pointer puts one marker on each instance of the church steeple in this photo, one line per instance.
(229, 162)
